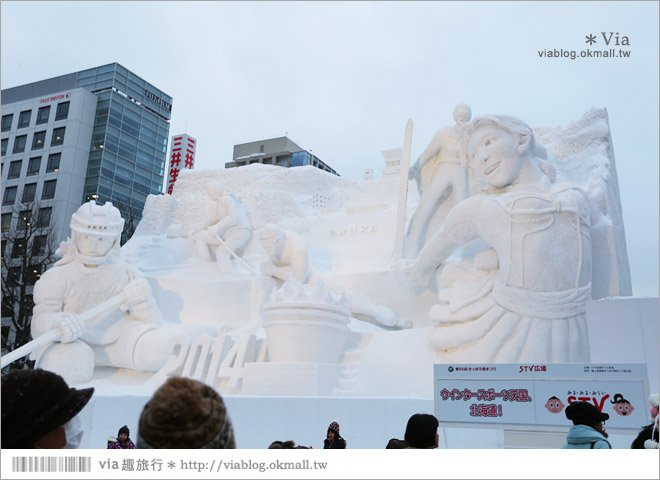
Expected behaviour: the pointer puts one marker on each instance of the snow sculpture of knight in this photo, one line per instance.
(90, 273)
(524, 299)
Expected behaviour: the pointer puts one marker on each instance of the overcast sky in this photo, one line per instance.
(342, 78)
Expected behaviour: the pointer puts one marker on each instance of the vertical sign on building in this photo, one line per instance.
(182, 156)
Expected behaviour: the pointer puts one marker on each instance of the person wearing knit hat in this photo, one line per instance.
(587, 430)
(648, 437)
(185, 413)
(39, 410)
(333, 439)
(122, 440)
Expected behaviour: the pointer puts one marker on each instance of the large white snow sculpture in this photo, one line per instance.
(89, 274)
(339, 234)
(524, 300)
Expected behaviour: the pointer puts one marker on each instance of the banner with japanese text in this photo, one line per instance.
(516, 394)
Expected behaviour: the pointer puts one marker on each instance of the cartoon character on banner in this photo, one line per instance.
(621, 405)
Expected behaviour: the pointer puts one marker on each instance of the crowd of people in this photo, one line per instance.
(39, 410)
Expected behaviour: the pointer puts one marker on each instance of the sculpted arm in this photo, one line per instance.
(434, 147)
(431, 151)
(140, 302)
(463, 223)
(229, 219)
(48, 298)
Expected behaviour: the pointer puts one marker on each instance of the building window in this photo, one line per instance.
(29, 192)
(23, 219)
(6, 122)
(53, 162)
(48, 190)
(24, 119)
(32, 274)
(39, 245)
(14, 169)
(58, 137)
(19, 248)
(6, 222)
(33, 166)
(10, 196)
(38, 140)
(62, 111)
(44, 217)
(19, 144)
(43, 114)
(5, 142)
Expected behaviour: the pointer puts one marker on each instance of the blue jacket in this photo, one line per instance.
(582, 436)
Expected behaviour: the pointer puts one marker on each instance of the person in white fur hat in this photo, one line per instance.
(648, 437)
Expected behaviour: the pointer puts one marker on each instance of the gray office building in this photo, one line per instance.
(98, 134)
(275, 151)
(127, 149)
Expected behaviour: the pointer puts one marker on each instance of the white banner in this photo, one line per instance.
(517, 394)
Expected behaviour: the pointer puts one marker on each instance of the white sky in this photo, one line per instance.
(342, 78)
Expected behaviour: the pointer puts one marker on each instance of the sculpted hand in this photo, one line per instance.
(136, 293)
(412, 172)
(72, 327)
(406, 272)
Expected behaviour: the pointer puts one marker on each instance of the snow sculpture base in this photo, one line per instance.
(290, 379)
(305, 332)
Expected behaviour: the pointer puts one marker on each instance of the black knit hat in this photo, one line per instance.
(583, 413)
(36, 402)
(185, 413)
(125, 430)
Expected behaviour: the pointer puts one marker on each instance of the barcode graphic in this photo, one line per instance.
(51, 464)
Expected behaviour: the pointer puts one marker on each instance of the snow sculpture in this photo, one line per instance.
(306, 324)
(524, 300)
(89, 274)
(583, 151)
(229, 235)
(289, 263)
(441, 175)
(339, 234)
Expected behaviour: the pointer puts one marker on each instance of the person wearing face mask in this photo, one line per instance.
(39, 410)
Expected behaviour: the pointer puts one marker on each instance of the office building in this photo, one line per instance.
(99, 134)
(182, 157)
(275, 151)
(125, 148)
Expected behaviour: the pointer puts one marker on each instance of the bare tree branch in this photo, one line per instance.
(29, 251)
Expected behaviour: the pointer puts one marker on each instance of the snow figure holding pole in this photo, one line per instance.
(101, 309)
(524, 299)
(441, 175)
(231, 233)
